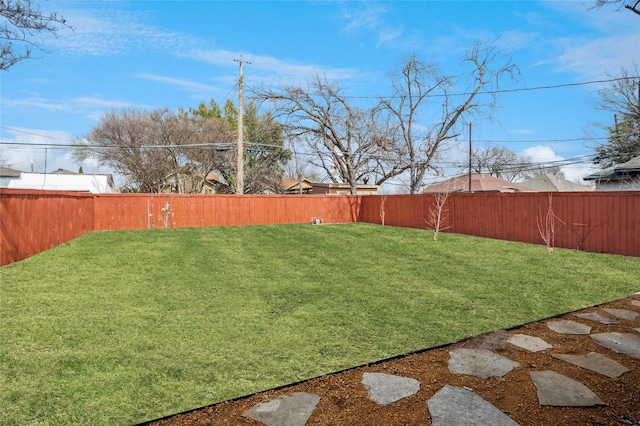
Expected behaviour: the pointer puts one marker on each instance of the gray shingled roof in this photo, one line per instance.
(550, 183)
(619, 171)
(7, 172)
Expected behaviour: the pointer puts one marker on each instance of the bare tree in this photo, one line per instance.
(203, 160)
(383, 210)
(633, 5)
(505, 164)
(347, 142)
(547, 226)
(622, 99)
(500, 162)
(156, 151)
(22, 22)
(119, 142)
(437, 213)
(418, 83)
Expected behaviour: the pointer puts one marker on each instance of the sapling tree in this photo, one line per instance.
(437, 213)
(547, 225)
(383, 212)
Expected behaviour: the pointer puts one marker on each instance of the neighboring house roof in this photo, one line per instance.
(343, 188)
(480, 182)
(618, 172)
(65, 182)
(8, 172)
(550, 183)
(294, 186)
(7, 175)
(63, 172)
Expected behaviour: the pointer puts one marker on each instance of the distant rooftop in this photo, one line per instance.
(550, 183)
(480, 182)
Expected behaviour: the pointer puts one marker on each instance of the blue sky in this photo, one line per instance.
(148, 54)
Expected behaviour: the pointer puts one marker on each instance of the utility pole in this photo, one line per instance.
(240, 166)
(470, 155)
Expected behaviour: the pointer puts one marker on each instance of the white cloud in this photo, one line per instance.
(86, 106)
(33, 102)
(574, 172)
(188, 85)
(45, 150)
(42, 150)
(93, 102)
(370, 18)
(108, 31)
(267, 67)
(610, 40)
(388, 34)
(600, 57)
(367, 16)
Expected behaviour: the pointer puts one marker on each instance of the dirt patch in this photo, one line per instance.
(344, 401)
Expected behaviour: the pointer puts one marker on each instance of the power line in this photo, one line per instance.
(498, 91)
(74, 145)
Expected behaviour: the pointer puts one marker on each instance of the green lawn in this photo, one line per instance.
(121, 327)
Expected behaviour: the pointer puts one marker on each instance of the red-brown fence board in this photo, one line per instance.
(605, 222)
(34, 221)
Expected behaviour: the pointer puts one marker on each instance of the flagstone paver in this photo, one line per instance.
(568, 327)
(622, 343)
(595, 362)
(635, 303)
(622, 313)
(598, 317)
(480, 363)
(385, 389)
(289, 410)
(530, 343)
(560, 391)
(454, 406)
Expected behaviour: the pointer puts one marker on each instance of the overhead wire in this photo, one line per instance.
(499, 91)
(210, 145)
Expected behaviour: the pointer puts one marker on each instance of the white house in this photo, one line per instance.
(65, 182)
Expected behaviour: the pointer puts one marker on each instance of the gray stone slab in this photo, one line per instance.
(622, 343)
(385, 389)
(637, 329)
(595, 362)
(454, 406)
(289, 410)
(568, 327)
(635, 303)
(560, 391)
(530, 343)
(598, 317)
(480, 363)
(622, 313)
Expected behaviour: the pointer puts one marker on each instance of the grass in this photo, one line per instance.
(122, 327)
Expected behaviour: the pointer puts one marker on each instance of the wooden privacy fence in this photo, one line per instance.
(605, 222)
(34, 221)
(602, 222)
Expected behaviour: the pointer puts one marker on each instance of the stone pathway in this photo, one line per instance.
(453, 405)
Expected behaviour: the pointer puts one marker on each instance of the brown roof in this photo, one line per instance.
(291, 184)
(480, 182)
